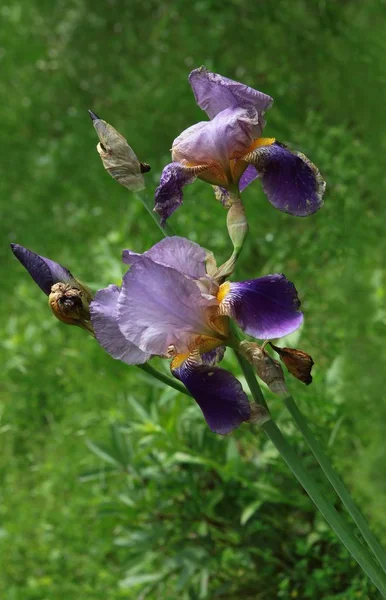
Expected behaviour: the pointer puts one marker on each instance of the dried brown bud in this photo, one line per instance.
(70, 303)
(118, 157)
(298, 363)
(259, 414)
(267, 368)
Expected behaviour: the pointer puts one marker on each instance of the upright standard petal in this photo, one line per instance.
(168, 195)
(229, 135)
(44, 272)
(290, 180)
(218, 393)
(103, 310)
(159, 307)
(214, 93)
(183, 255)
(265, 308)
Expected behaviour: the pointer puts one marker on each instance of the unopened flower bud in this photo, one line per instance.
(118, 157)
(267, 368)
(68, 298)
(298, 363)
(70, 304)
(237, 225)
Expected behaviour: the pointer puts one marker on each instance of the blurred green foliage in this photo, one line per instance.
(161, 507)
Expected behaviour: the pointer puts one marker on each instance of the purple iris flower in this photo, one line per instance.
(229, 152)
(169, 306)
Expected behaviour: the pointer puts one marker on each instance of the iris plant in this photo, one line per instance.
(229, 152)
(175, 303)
(169, 305)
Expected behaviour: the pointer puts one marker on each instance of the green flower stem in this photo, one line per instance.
(148, 204)
(174, 383)
(333, 518)
(336, 481)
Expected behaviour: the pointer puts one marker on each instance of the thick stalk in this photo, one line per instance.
(165, 228)
(336, 481)
(333, 518)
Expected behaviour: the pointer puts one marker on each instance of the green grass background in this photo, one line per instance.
(111, 486)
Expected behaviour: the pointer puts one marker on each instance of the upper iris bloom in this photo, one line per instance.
(170, 306)
(228, 151)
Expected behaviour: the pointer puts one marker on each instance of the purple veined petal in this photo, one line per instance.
(249, 175)
(177, 252)
(168, 195)
(265, 308)
(214, 93)
(227, 136)
(44, 272)
(291, 182)
(103, 310)
(159, 307)
(218, 393)
(213, 357)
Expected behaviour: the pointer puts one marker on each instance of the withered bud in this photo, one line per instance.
(237, 224)
(259, 414)
(267, 368)
(70, 303)
(226, 270)
(118, 157)
(298, 363)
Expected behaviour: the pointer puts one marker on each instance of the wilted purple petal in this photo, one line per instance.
(159, 307)
(103, 310)
(214, 356)
(228, 135)
(218, 393)
(265, 308)
(168, 195)
(44, 272)
(249, 175)
(214, 93)
(177, 252)
(290, 180)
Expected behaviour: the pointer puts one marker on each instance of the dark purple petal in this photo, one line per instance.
(159, 307)
(168, 195)
(44, 272)
(213, 357)
(218, 393)
(103, 310)
(214, 93)
(249, 175)
(265, 308)
(290, 180)
(183, 255)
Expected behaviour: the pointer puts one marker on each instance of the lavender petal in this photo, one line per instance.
(103, 310)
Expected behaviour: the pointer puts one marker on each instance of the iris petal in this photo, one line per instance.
(44, 272)
(103, 310)
(159, 307)
(290, 180)
(249, 175)
(168, 195)
(265, 308)
(214, 93)
(183, 255)
(218, 393)
(227, 136)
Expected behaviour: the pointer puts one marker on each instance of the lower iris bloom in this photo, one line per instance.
(229, 152)
(169, 306)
